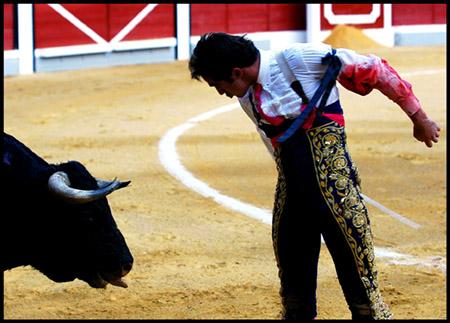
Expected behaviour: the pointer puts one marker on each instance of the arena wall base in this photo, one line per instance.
(131, 57)
(420, 39)
(10, 66)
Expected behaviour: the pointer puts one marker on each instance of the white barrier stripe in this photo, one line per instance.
(75, 21)
(133, 23)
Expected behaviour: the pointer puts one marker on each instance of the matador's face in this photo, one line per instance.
(238, 86)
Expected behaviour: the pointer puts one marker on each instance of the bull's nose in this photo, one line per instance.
(126, 268)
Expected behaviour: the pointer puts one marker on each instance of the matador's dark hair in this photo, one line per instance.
(217, 53)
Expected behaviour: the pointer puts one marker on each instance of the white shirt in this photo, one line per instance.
(359, 73)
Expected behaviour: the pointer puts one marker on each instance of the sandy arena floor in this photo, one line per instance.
(194, 258)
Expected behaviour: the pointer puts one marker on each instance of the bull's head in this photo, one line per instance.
(92, 247)
(57, 219)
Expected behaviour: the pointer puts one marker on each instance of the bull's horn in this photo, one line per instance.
(103, 183)
(59, 184)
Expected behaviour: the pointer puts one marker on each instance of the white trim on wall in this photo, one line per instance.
(11, 54)
(276, 39)
(420, 28)
(25, 37)
(102, 48)
(335, 19)
(183, 31)
(313, 22)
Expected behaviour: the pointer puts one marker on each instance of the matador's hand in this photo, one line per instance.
(425, 129)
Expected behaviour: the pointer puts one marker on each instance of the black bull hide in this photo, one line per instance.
(61, 225)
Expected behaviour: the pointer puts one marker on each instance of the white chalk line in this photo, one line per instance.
(170, 160)
(391, 213)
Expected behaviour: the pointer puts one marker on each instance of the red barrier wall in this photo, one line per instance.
(402, 14)
(52, 29)
(247, 18)
(419, 14)
(8, 26)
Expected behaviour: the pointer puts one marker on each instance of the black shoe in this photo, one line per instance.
(296, 315)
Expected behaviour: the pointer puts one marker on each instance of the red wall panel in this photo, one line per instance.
(208, 17)
(419, 14)
(246, 18)
(8, 26)
(348, 9)
(159, 23)
(120, 15)
(287, 17)
(52, 29)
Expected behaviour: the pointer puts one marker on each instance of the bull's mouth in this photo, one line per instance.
(101, 280)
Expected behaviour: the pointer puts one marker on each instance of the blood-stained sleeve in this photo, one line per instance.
(363, 73)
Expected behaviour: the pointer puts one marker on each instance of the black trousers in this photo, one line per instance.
(318, 193)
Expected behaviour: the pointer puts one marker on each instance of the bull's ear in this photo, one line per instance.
(59, 185)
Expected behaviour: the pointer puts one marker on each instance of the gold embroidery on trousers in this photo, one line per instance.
(339, 183)
(280, 200)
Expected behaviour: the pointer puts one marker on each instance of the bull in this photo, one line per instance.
(56, 218)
